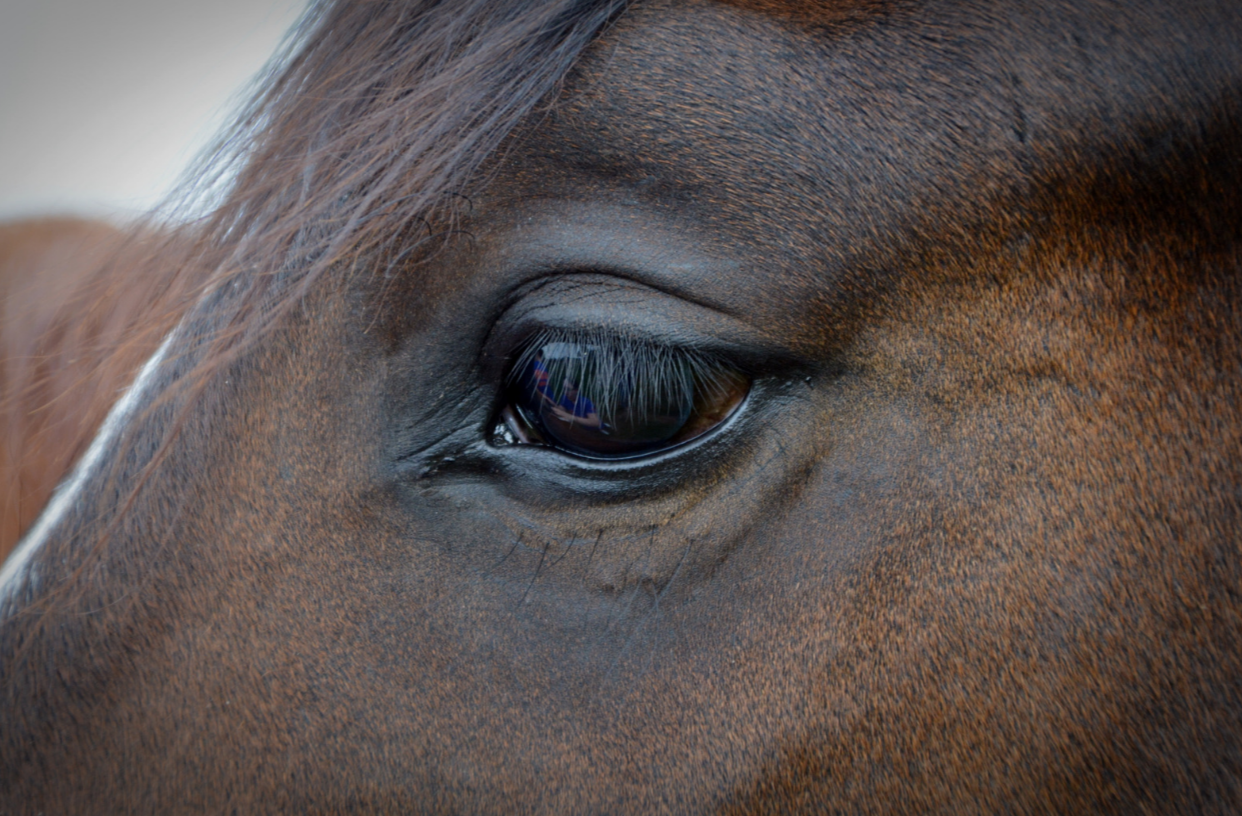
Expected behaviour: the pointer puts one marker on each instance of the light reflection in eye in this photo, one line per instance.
(613, 398)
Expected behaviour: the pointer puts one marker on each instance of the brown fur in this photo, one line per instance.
(80, 309)
(970, 546)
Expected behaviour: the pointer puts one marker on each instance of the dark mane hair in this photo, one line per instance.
(362, 133)
(369, 122)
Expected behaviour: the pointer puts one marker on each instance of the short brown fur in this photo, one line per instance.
(970, 546)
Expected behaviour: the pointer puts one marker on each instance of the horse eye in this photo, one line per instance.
(614, 400)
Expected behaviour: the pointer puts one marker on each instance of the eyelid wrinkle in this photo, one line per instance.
(593, 301)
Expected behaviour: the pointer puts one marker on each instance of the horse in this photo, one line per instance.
(739, 406)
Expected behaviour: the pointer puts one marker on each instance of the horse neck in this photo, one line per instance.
(80, 309)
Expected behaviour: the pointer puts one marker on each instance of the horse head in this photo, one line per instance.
(754, 406)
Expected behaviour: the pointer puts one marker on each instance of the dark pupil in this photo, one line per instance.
(581, 400)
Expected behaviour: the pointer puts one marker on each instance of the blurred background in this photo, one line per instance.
(104, 103)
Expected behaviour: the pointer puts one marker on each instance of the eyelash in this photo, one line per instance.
(662, 371)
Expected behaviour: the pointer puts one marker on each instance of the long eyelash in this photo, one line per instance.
(627, 373)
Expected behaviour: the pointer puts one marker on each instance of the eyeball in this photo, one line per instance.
(611, 398)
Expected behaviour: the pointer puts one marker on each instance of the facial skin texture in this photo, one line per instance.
(969, 546)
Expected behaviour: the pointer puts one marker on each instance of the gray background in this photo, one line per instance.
(104, 102)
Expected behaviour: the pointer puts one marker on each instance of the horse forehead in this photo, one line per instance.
(836, 130)
(757, 106)
(748, 129)
(670, 77)
(697, 104)
(803, 77)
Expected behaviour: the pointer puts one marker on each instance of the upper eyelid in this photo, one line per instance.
(587, 302)
(565, 287)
